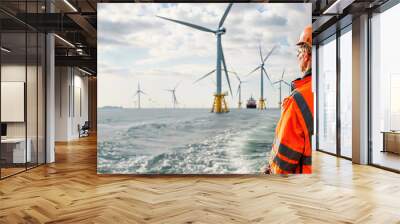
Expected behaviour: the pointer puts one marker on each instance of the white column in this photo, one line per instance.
(50, 99)
(360, 90)
(50, 92)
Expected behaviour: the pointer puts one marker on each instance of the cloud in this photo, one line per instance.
(105, 40)
(126, 27)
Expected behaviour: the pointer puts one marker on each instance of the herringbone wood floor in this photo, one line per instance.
(70, 191)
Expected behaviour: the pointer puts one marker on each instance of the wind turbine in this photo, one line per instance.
(261, 101)
(138, 92)
(219, 104)
(174, 100)
(280, 87)
(239, 90)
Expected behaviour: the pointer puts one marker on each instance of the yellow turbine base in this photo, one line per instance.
(261, 104)
(219, 105)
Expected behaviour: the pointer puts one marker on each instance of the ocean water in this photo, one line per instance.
(184, 141)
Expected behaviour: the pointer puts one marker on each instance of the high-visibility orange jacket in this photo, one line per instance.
(291, 150)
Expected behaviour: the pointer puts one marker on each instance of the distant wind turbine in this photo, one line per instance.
(173, 91)
(280, 87)
(219, 105)
(239, 89)
(261, 101)
(138, 93)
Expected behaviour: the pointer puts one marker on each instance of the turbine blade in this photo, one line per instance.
(266, 74)
(204, 76)
(261, 57)
(221, 22)
(177, 85)
(254, 70)
(269, 53)
(286, 83)
(237, 77)
(188, 24)
(238, 90)
(229, 71)
(143, 92)
(283, 74)
(226, 70)
(275, 82)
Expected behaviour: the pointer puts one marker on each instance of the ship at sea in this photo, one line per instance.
(251, 103)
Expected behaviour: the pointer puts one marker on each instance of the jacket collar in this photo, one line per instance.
(301, 81)
(307, 73)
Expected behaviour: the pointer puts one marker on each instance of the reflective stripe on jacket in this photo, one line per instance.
(291, 150)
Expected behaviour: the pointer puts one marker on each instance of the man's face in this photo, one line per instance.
(303, 57)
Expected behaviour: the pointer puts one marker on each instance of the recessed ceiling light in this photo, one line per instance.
(70, 5)
(5, 50)
(84, 71)
(64, 40)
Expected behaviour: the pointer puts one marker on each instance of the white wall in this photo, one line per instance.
(81, 89)
(70, 82)
(62, 81)
(12, 73)
(33, 126)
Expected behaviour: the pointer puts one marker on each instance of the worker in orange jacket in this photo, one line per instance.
(291, 149)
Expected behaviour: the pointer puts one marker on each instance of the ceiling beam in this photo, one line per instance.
(86, 26)
(338, 6)
(49, 22)
(81, 61)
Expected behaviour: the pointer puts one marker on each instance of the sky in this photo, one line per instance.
(135, 46)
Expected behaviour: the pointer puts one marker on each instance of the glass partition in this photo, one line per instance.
(13, 105)
(41, 87)
(32, 90)
(346, 92)
(385, 89)
(327, 95)
(31, 99)
(22, 77)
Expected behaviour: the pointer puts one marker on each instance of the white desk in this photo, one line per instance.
(19, 154)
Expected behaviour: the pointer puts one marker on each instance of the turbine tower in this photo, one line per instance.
(138, 92)
(261, 101)
(219, 104)
(174, 100)
(280, 87)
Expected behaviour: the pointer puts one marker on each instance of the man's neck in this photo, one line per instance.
(307, 72)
